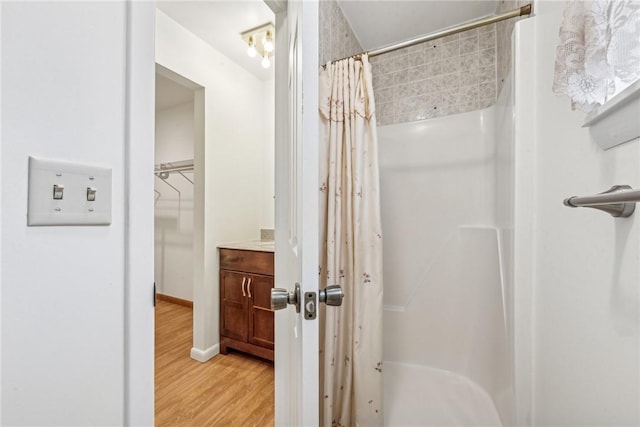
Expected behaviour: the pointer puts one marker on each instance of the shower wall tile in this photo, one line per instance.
(385, 113)
(470, 77)
(486, 74)
(417, 58)
(386, 93)
(400, 77)
(485, 103)
(487, 57)
(446, 76)
(416, 73)
(487, 90)
(472, 106)
(469, 44)
(487, 40)
(336, 39)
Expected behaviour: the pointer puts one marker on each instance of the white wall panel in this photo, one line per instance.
(63, 97)
(586, 290)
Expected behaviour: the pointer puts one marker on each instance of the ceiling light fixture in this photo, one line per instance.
(265, 47)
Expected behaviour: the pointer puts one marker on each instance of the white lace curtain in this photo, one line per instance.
(351, 252)
(599, 51)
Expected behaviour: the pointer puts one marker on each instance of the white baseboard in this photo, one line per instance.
(204, 355)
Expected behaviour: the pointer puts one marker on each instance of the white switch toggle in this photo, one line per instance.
(58, 192)
(91, 194)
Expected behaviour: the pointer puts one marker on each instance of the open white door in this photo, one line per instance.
(296, 216)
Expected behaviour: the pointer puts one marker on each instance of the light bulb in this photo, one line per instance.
(267, 42)
(265, 62)
(251, 51)
(268, 46)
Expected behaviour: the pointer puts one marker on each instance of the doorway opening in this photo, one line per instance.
(174, 180)
(213, 186)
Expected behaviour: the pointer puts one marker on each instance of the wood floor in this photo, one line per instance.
(231, 390)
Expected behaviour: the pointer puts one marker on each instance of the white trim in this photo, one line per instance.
(138, 251)
(283, 404)
(524, 218)
(309, 205)
(200, 277)
(1, 206)
(205, 355)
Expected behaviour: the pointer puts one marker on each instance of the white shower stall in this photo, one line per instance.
(447, 205)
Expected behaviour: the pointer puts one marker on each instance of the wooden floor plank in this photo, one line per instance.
(228, 390)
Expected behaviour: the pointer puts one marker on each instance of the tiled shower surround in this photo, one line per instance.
(446, 76)
(336, 37)
(450, 75)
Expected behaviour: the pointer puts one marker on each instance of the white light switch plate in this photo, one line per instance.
(74, 208)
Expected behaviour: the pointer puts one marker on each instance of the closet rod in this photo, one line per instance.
(522, 11)
(181, 166)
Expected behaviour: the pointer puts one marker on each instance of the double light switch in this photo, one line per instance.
(58, 193)
(63, 193)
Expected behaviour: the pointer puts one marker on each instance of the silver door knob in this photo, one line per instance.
(280, 298)
(331, 295)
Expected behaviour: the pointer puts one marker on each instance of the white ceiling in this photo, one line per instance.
(381, 23)
(220, 22)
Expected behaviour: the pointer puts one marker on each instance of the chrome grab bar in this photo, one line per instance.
(618, 201)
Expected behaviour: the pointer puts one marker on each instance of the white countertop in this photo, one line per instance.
(252, 245)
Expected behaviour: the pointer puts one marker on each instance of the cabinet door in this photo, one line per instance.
(233, 314)
(260, 313)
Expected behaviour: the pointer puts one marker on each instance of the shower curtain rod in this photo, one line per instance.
(522, 11)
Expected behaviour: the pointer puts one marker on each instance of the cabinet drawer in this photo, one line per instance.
(250, 261)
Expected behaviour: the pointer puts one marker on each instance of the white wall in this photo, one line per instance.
(174, 133)
(586, 278)
(231, 158)
(173, 222)
(63, 96)
(267, 219)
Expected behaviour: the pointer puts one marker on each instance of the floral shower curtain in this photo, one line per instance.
(351, 252)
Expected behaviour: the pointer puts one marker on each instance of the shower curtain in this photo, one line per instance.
(351, 252)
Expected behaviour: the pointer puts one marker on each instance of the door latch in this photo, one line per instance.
(310, 305)
(331, 295)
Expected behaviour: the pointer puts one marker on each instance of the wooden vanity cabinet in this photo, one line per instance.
(246, 318)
